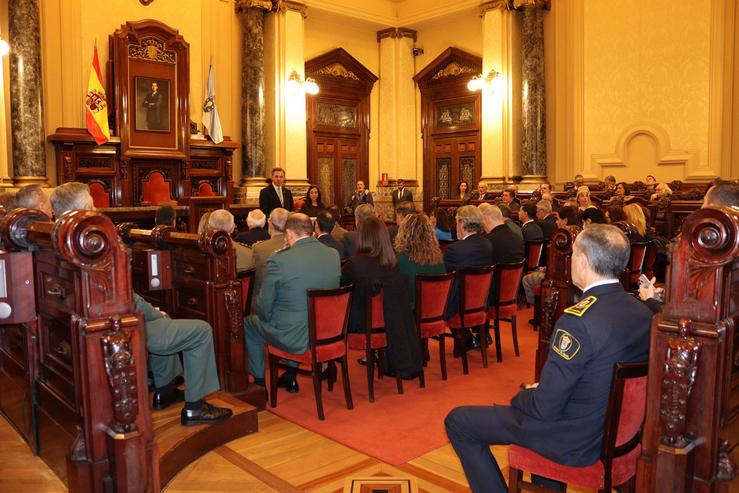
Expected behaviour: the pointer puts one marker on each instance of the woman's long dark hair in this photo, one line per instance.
(309, 201)
(373, 240)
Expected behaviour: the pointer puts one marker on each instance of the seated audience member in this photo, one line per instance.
(402, 210)
(7, 201)
(562, 417)
(165, 339)
(721, 194)
(578, 181)
(583, 200)
(662, 193)
(509, 200)
(282, 304)
(256, 222)
(204, 223)
(338, 232)
(507, 245)
(615, 213)
(222, 220)
(651, 183)
(471, 250)
(360, 196)
(263, 249)
(361, 214)
(592, 216)
(635, 216)
(609, 187)
(549, 197)
(166, 215)
(546, 219)
(545, 187)
(622, 193)
(312, 204)
(34, 197)
(417, 250)
(509, 222)
(530, 230)
(464, 194)
(440, 222)
(324, 224)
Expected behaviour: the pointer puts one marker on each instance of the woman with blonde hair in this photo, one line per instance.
(583, 199)
(418, 250)
(635, 215)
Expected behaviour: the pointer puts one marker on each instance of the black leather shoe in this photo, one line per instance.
(206, 415)
(290, 384)
(163, 400)
(473, 343)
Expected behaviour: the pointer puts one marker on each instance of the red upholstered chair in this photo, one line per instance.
(100, 198)
(507, 280)
(375, 339)
(621, 436)
(205, 189)
(432, 295)
(630, 277)
(328, 316)
(534, 255)
(298, 204)
(247, 289)
(474, 288)
(650, 257)
(156, 189)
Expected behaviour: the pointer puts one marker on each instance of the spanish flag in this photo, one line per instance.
(97, 104)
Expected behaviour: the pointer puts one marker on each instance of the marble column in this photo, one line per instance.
(533, 109)
(26, 110)
(252, 14)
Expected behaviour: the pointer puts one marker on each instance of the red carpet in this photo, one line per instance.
(398, 428)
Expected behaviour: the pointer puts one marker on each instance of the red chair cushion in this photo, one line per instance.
(506, 311)
(431, 329)
(357, 341)
(593, 477)
(100, 198)
(537, 289)
(156, 189)
(470, 320)
(324, 353)
(205, 190)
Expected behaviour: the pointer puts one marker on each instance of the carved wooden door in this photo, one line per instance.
(335, 168)
(453, 159)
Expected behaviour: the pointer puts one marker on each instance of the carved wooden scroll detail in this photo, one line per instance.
(121, 370)
(726, 467)
(549, 312)
(152, 50)
(681, 365)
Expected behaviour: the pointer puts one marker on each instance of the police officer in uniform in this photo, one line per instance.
(562, 416)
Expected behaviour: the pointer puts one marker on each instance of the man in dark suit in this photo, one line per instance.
(507, 245)
(562, 417)
(282, 304)
(359, 197)
(275, 194)
(470, 251)
(401, 194)
(509, 200)
(546, 220)
(324, 224)
(531, 231)
(255, 220)
(153, 103)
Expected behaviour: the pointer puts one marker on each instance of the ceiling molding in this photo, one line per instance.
(393, 14)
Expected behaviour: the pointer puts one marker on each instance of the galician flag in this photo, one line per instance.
(96, 114)
(210, 113)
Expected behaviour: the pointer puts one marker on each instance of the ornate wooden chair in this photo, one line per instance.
(155, 189)
(474, 289)
(432, 296)
(247, 289)
(507, 280)
(621, 436)
(534, 255)
(205, 189)
(100, 197)
(328, 316)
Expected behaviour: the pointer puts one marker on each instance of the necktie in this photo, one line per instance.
(279, 195)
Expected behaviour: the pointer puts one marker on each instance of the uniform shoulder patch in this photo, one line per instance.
(582, 306)
(565, 344)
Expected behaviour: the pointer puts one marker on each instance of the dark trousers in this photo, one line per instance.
(471, 430)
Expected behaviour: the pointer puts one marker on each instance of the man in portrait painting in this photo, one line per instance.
(153, 103)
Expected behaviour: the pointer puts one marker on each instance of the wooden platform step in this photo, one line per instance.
(180, 445)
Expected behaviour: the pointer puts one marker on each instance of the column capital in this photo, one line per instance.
(396, 32)
(537, 4)
(244, 5)
(285, 5)
(486, 7)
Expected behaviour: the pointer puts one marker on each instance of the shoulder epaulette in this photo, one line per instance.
(582, 306)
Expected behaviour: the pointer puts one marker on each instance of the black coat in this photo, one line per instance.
(269, 201)
(548, 226)
(532, 231)
(252, 236)
(330, 241)
(350, 243)
(507, 245)
(404, 196)
(473, 251)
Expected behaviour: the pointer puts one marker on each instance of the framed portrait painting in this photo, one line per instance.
(152, 104)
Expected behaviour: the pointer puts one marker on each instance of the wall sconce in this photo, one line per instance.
(294, 83)
(490, 82)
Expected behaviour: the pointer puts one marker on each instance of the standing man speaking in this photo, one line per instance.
(275, 194)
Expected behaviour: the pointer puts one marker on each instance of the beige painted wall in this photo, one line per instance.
(70, 29)
(359, 39)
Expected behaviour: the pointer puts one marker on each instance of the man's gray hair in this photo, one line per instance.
(71, 196)
(544, 205)
(469, 217)
(363, 212)
(277, 219)
(606, 248)
(300, 224)
(490, 211)
(256, 219)
(30, 197)
(222, 220)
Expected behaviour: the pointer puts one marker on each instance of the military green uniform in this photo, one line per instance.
(282, 304)
(166, 338)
